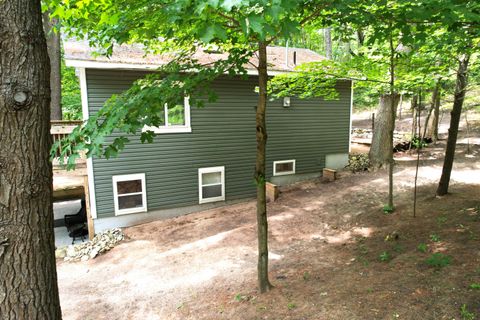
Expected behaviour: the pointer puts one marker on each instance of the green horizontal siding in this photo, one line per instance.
(223, 134)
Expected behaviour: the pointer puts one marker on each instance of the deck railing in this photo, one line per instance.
(61, 128)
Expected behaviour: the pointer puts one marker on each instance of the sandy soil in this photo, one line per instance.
(325, 244)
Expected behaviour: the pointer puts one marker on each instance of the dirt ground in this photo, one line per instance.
(327, 243)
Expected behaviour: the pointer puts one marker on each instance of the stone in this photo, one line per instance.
(89, 250)
(61, 253)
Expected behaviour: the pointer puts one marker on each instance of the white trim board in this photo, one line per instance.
(91, 178)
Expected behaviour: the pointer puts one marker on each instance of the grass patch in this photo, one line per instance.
(438, 260)
(475, 286)
(385, 256)
(465, 314)
(422, 247)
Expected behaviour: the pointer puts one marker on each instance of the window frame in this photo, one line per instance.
(202, 171)
(275, 173)
(174, 128)
(129, 177)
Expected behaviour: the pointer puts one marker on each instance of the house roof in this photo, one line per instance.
(79, 54)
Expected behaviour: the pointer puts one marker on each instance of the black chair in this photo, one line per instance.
(76, 223)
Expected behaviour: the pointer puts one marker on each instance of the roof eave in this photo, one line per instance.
(91, 64)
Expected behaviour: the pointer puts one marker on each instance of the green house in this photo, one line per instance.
(205, 157)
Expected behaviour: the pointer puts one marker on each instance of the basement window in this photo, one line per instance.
(283, 167)
(174, 119)
(129, 193)
(211, 184)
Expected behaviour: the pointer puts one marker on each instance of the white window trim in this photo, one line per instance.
(201, 171)
(129, 177)
(174, 128)
(275, 173)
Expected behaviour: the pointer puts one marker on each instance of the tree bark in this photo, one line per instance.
(414, 107)
(432, 125)
(327, 32)
(53, 47)
(28, 278)
(380, 150)
(459, 97)
(400, 107)
(261, 135)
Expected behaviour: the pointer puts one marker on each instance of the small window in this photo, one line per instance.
(211, 183)
(283, 167)
(173, 119)
(129, 193)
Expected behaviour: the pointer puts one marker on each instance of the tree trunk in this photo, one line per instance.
(28, 278)
(432, 126)
(459, 97)
(435, 93)
(414, 108)
(400, 107)
(380, 150)
(394, 99)
(53, 47)
(262, 224)
(327, 33)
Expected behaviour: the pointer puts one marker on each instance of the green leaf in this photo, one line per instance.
(254, 23)
(229, 4)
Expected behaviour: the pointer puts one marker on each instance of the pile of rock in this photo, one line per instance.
(89, 250)
(362, 133)
(367, 134)
(358, 162)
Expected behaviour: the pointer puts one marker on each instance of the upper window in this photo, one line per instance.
(129, 193)
(174, 118)
(283, 167)
(211, 183)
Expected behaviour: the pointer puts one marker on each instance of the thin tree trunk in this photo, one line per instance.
(53, 47)
(459, 97)
(432, 129)
(28, 278)
(262, 224)
(468, 132)
(427, 131)
(418, 159)
(327, 32)
(400, 107)
(414, 107)
(380, 151)
(393, 112)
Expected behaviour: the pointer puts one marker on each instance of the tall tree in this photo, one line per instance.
(460, 43)
(379, 153)
(28, 279)
(459, 97)
(431, 123)
(54, 53)
(238, 28)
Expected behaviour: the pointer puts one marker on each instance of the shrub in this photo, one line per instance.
(358, 162)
